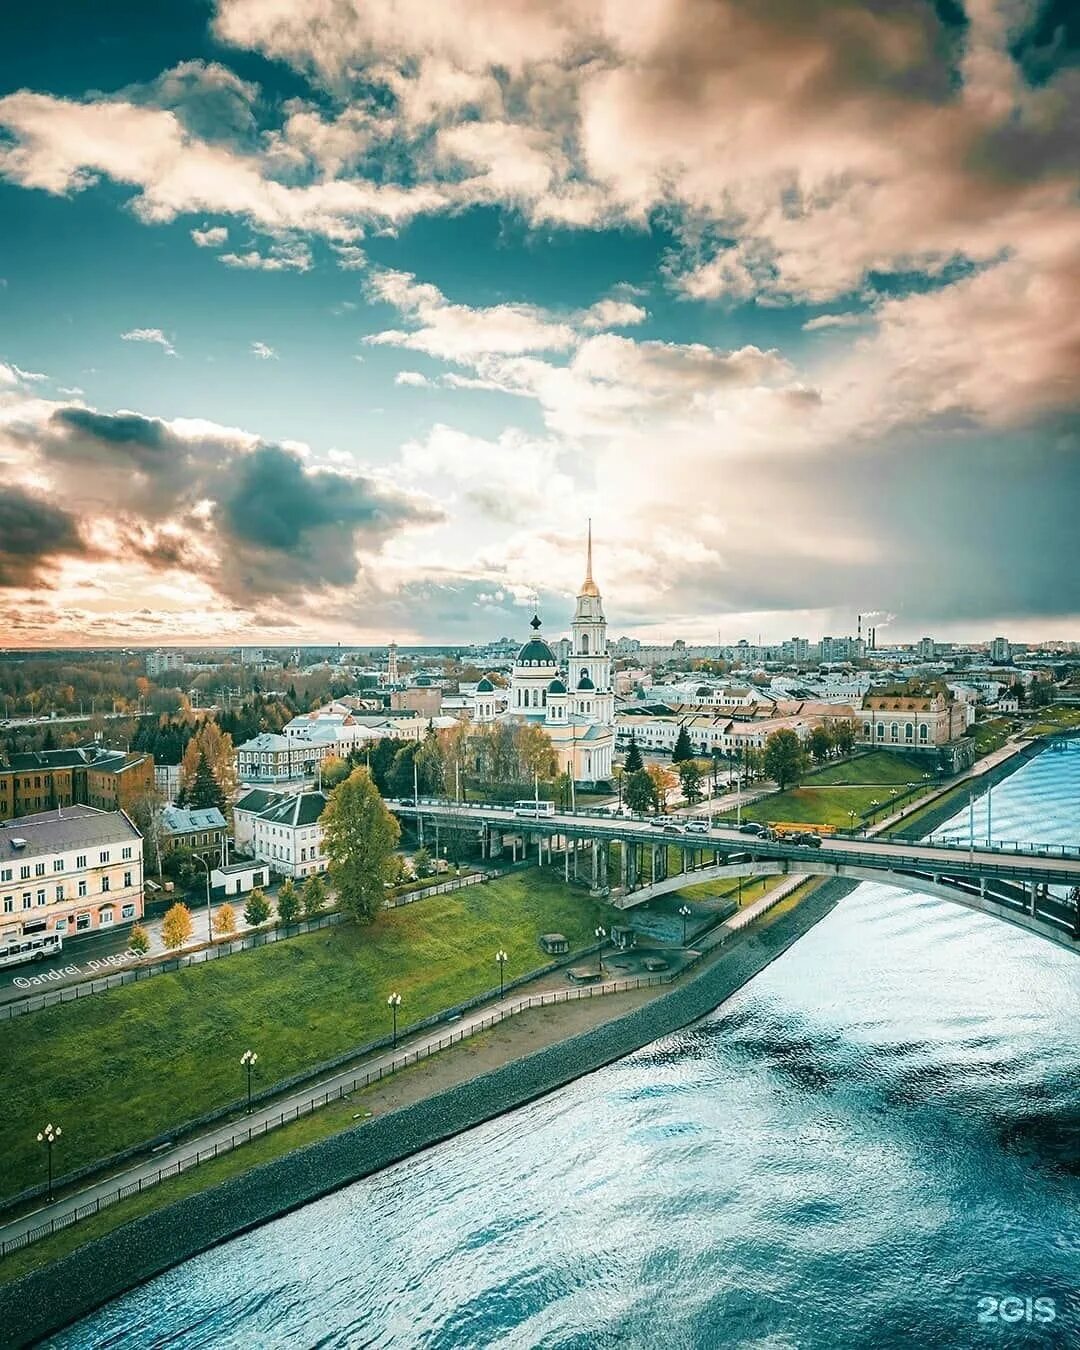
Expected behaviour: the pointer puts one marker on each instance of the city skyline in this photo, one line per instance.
(316, 332)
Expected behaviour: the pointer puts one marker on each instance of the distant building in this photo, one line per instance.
(73, 869)
(1000, 651)
(159, 662)
(926, 649)
(272, 759)
(111, 780)
(167, 781)
(912, 721)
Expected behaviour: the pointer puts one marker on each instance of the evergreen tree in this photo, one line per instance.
(639, 792)
(683, 748)
(634, 762)
(205, 790)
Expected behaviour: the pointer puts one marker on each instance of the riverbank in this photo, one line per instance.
(45, 1300)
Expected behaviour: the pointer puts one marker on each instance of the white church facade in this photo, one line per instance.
(576, 710)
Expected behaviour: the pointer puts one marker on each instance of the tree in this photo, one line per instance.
(422, 863)
(139, 940)
(618, 777)
(257, 909)
(663, 781)
(1041, 694)
(690, 777)
(334, 770)
(431, 765)
(225, 921)
(288, 903)
(145, 811)
(360, 836)
(633, 762)
(177, 927)
(843, 734)
(535, 753)
(204, 790)
(401, 780)
(639, 792)
(217, 747)
(821, 744)
(784, 758)
(314, 896)
(683, 749)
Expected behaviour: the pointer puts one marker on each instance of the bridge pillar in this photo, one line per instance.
(596, 864)
(577, 850)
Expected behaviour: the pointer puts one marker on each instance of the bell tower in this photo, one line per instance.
(589, 666)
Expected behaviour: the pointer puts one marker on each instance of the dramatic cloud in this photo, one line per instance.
(33, 533)
(154, 335)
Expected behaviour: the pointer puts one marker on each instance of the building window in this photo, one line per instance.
(127, 878)
(58, 865)
(82, 921)
(5, 875)
(41, 897)
(80, 860)
(104, 855)
(61, 925)
(126, 854)
(9, 903)
(24, 873)
(39, 869)
(82, 888)
(105, 918)
(128, 912)
(59, 892)
(105, 883)
(923, 730)
(26, 899)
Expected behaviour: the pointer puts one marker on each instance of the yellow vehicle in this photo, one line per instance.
(785, 827)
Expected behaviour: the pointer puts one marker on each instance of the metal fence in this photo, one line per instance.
(313, 1103)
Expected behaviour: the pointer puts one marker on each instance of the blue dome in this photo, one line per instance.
(485, 686)
(556, 687)
(536, 652)
(585, 683)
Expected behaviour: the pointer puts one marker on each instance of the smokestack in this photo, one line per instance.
(858, 633)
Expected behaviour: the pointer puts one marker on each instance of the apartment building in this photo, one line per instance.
(70, 870)
(111, 780)
(287, 835)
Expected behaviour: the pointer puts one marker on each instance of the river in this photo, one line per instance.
(875, 1143)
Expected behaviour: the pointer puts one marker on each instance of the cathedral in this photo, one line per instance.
(576, 708)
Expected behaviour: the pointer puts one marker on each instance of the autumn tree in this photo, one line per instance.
(225, 921)
(288, 903)
(663, 781)
(333, 770)
(784, 758)
(139, 940)
(360, 836)
(177, 927)
(257, 909)
(843, 734)
(217, 748)
(313, 897)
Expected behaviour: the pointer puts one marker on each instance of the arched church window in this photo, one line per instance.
(584, 673)
(584, 644)
(543, 699)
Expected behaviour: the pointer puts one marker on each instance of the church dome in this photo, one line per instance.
(485, 686)
(556, 687)
(585, 683)
(536, 652)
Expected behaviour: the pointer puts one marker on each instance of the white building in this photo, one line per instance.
(1000, 651)
(269, 758)
(70, 870)
(578, 713)
(167, 781)
(157, 663)
(287, 835)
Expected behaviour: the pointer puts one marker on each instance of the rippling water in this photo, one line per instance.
(880, 1130)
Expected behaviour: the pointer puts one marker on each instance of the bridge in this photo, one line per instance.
(629, 860)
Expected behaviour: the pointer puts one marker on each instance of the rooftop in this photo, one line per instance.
(62, 828)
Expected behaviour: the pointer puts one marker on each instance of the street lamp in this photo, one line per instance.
(209, 913)
(600, 934)
(852, 817)
(684, 913)
(247, 1061)
(394, 1003)
(502, 958)
(48, 1136)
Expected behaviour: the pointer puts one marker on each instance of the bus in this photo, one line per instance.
(13, 951)
(531, 807)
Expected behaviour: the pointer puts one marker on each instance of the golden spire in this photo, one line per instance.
(588, 586)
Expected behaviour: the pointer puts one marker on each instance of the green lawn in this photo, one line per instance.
(878, 766)
(820, 805)
(123, 1066)
(992, 734)
(1055, 719)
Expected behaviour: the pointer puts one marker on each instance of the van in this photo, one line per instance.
(697, 827)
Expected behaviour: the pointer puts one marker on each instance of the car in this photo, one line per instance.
(808, 840)
(674, 827)
(739, 858)
(697, 827)
(752, 827)
(659, 822)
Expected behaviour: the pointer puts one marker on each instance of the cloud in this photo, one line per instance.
(284, 256)
(212, 237)
(263, 352)
(253, 521)
(613, 314)
(850, 320)
(413, 378)
(154, 335)
(34, 533)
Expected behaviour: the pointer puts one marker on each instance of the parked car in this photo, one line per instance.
(752, 827)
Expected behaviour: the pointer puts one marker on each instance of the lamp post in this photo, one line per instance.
(501, 957)
(684, 913)
(247, 1061)
(852, 815)
(394, 1003)
(600, 934)
(48, 1136)
(209, 914)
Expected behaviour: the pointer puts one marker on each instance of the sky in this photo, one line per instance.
(337, 320)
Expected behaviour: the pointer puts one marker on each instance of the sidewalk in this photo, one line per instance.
(171, 1160)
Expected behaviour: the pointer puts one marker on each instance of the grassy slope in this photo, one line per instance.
(879, 766)
(131, 1063)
